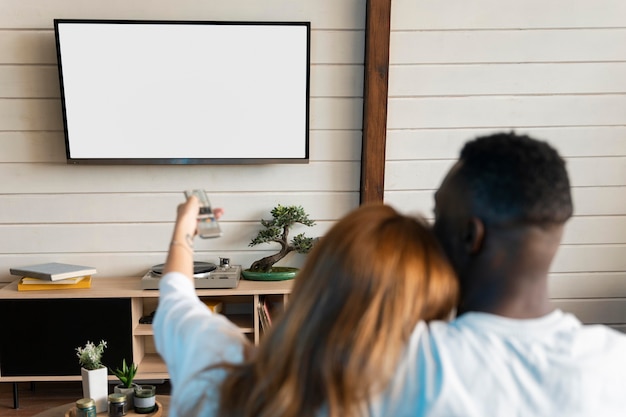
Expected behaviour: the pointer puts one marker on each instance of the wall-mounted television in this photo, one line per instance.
(184, 92)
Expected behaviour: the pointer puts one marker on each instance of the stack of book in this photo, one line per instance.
(53, 276)
(264, 314)
(215, 306)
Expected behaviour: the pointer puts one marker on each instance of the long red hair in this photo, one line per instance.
(354, 304)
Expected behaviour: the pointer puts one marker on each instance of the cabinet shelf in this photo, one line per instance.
(239, 307)
(151, 367)
(245, 322)
(143, 330)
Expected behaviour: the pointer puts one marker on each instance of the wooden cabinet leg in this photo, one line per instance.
(16, 399)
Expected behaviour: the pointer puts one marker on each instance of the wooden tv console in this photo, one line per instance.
(41, 329)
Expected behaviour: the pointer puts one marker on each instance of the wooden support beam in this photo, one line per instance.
(375, 89)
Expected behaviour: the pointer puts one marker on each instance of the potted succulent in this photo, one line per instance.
(277, 230)
(94, 374)
(126, 375)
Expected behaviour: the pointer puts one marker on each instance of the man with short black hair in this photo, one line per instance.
(499, 215)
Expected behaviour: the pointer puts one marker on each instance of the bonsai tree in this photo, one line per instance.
(277, 230)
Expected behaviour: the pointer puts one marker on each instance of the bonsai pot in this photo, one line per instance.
(277, 273)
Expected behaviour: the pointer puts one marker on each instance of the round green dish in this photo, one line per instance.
(278, 273)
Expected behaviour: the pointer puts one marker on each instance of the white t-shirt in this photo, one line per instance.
(479, 365)
(482, 365)
(190, 338)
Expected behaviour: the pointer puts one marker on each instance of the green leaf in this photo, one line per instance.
(302, 244)
(126, 374)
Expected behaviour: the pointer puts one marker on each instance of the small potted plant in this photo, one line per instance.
(126, 375)
(94, 374)
(277, 230)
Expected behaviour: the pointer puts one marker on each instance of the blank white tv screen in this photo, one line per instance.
(184, 92)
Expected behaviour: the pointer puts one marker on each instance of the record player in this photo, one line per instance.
(206, 275)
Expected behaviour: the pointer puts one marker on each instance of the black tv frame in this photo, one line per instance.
(190, 160)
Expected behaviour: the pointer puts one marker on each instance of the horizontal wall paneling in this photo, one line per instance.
(506, 79)
(327, 14)
(527, 14)
(501, 46)
(584, 172)
(419, 143)
(34, 209)
(588, 201)
(588, 285)
(315, 176)
(506, 112)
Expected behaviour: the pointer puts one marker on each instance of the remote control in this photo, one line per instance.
(208, 227)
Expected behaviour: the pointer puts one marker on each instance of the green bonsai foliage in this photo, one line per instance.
(277, 230)
(126, 374)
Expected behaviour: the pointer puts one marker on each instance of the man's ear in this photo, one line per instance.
(475, 235)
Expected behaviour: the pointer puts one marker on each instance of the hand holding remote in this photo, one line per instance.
(208, 227)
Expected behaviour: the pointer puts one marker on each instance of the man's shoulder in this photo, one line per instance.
(602, 337)
(560, 335)
(557, 322)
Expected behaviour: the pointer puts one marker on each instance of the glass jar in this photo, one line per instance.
(117, 405)
(85, 407)
(145, 399)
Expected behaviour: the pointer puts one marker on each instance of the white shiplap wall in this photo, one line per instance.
(119, 218)
(555, 70)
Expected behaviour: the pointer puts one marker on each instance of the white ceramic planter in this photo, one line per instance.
(129, 392)
(96, 387)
